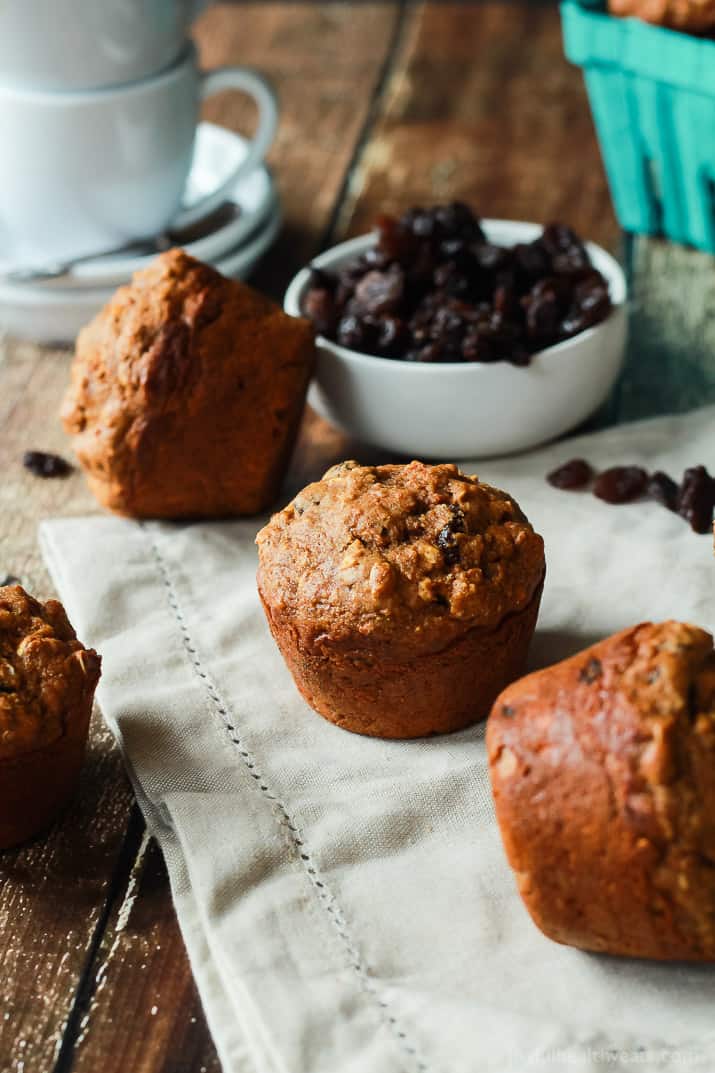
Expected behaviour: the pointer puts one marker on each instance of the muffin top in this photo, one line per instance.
(145, 351)
(44, 671)
(415, 553)
(176, 341)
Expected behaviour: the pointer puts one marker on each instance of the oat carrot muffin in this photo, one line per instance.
(688, 16)
(186, 394)
(47, 683)
(603, 771)
(402, 597)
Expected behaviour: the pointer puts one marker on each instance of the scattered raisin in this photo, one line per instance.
(507, 711)
(571, 475)
(433, 289)
(620, 484)
(696, 499)
(9, 579)
(43, 464)
(663, 489)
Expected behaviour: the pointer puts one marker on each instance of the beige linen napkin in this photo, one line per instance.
(345, 902)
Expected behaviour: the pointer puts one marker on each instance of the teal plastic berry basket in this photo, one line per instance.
(652, 94)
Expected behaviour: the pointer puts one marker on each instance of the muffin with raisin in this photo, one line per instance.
(186, 394)
(402, 597)
(47, 683)
(603, 771)
(688, 16)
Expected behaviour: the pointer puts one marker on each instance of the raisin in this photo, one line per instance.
(390, 334)
(591, 672)
(380, 292)
(9, 579)
(696, 498)
(531, 260)
(571, 475)
(458, 219)
(590, 304)
(447, 544)
(44, 464)
(319, 306)
(564, 247)
(543, 311)
(446, 538)
(433, 289)
(507, 711)
(620, 484)
(663, 489)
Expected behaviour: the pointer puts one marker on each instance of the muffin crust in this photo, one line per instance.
(186, 393)
(47, 683)
(603, 770)
(403, 598)
(44, 671)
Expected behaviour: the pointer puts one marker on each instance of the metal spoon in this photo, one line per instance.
(54, 271)
(139, 247)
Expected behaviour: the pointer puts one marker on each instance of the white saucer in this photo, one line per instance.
(55, 315)
(217, 152)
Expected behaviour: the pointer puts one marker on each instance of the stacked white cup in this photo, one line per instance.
(99, 102)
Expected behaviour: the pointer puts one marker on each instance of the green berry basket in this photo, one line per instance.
(652, 95)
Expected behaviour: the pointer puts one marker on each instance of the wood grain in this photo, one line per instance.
(670, 366)
(325, 62)
(482, 106)
(141, 978)
(52, 896)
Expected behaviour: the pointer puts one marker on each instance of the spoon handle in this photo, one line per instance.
(55, 271)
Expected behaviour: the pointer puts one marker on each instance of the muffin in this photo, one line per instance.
(688, 16)
(402, 597)
(603, 771)
(47, 683)
(186, 394)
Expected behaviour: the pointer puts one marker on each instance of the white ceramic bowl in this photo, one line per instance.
(455, 410)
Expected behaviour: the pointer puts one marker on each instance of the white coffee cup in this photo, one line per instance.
(86, 172)
(90, 44)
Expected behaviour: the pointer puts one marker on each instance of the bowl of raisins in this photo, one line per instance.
(440, 335)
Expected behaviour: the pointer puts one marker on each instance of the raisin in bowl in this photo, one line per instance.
(433, 407)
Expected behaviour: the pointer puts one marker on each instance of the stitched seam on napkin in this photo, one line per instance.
(325, 897)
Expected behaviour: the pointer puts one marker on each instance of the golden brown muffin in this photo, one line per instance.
(186, 394)
(403, 597)
(603, 771)
(688, 16)
(47, 683)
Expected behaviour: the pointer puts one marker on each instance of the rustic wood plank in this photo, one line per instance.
(482, 106)
(670, 366)
(52, 895)
(141, 978)
(324, 60)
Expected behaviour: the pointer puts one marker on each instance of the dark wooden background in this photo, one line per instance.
(383, 105)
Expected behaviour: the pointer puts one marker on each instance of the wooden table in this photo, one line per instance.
(383, 105)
